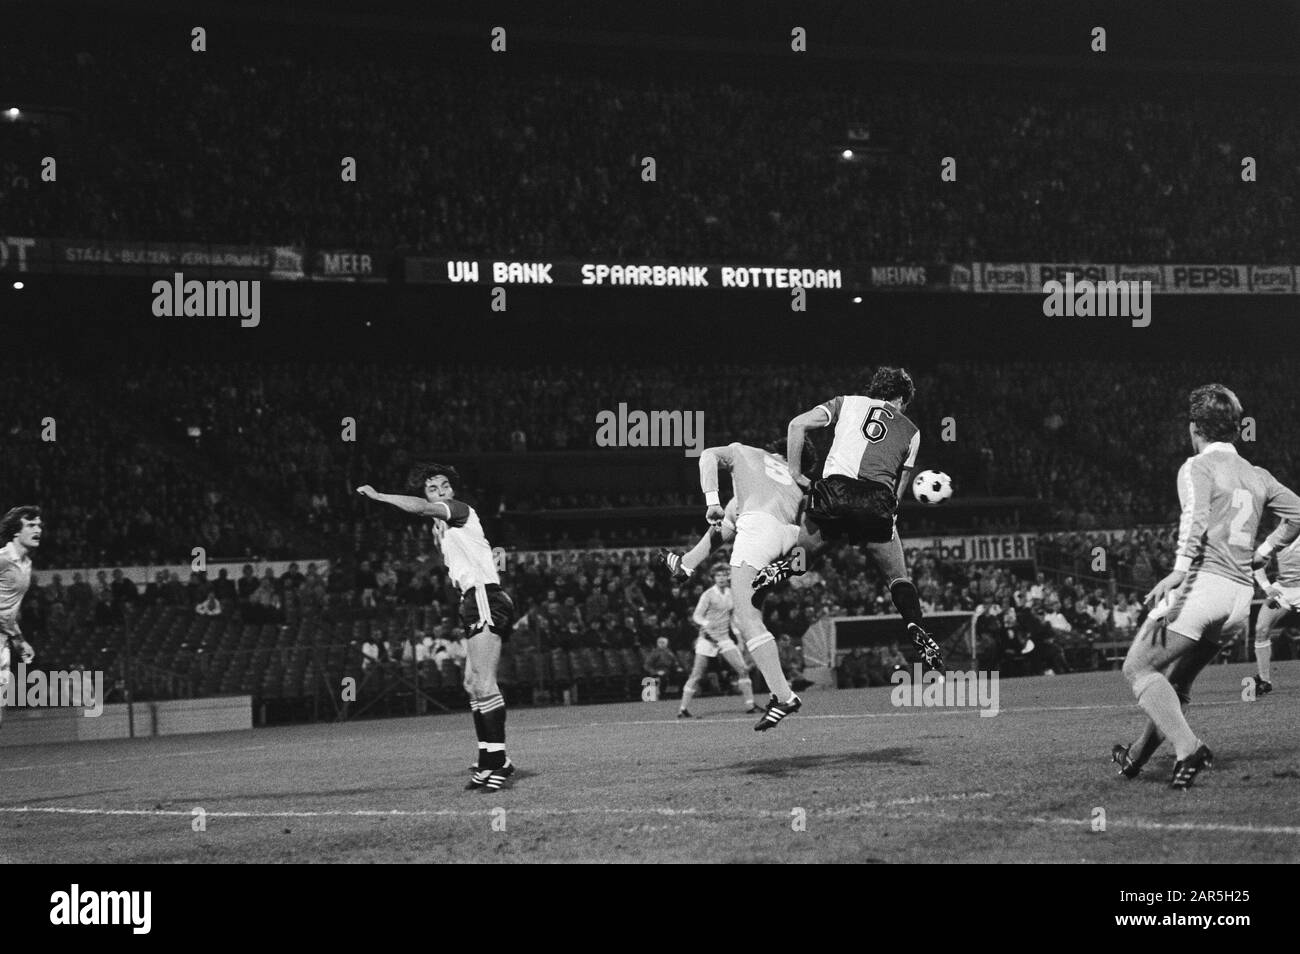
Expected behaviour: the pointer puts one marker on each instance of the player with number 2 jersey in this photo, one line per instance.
(1208, 593)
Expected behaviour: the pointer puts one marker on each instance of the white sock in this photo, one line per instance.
(747, 687)
(768, 659)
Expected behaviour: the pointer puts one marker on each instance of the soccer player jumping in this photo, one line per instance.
(1209, 591)
(766, 505)
(486, 609)
(856, 499)
(20, 529)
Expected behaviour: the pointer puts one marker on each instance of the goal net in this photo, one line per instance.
(828, 640)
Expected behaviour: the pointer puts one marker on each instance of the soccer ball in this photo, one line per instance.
(932, 487)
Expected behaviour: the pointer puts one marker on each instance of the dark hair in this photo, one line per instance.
(890, 383)
(423, 473)
(12, 522)
(1216, 412)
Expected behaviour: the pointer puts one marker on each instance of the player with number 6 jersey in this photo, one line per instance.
(856, 499)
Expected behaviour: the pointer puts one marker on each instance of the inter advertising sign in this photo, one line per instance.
(974, 548)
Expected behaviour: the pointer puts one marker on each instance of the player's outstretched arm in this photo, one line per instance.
(416, 505)
(795, 435)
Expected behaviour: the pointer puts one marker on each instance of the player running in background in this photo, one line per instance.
(713, 617)
(856, 499)
(20, 529)
(1209, 591)
(1282, 598)
(486, 609)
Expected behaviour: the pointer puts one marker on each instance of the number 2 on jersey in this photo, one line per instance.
(1244, 503)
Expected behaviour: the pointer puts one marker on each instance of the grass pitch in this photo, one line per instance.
(851, 778)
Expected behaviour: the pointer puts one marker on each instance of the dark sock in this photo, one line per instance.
(492, 710)
(907, 600)
(479, 733)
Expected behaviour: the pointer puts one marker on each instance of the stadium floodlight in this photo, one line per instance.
(13, 112)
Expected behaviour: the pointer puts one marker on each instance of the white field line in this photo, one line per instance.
(901, 712)
(1127, 824)
(518, 729)
(873, 808)
(859, 808)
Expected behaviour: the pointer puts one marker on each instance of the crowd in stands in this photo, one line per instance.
(490, 159)
(246, 460)
(616, 600)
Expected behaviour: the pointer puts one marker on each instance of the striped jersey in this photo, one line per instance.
(760, 481)
(713, 613)
(873, 440)
(465, 548)
(1223, 499)
(15, 577)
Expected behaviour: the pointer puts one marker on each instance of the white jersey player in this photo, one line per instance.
(486, 609)
(713, 617)
(1282, 598)
(762, 519)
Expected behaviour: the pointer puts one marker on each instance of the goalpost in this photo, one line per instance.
(831, 637)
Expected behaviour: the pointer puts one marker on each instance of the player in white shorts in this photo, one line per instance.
(1282, 598)
(1208, 593)
(762, 518)
(767, 505)
(713, 617)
